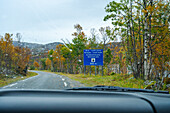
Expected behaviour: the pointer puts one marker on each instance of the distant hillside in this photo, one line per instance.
(38, 48)
(35, 45)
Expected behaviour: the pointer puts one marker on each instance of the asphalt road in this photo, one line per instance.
(45, 80)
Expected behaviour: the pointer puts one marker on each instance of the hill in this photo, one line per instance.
(37, 48)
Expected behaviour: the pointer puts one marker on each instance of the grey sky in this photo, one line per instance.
(44, 21)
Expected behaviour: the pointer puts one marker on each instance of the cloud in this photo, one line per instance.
(46, 21)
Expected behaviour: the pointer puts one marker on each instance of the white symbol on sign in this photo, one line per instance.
(92, 59)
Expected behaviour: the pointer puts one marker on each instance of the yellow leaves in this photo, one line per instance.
(110, 44)
(62, 59)
(121, 18)
(160, 4)
(48, 62)
(166, 6)
(116, 48)
(17, 57)
(36, 64)
(156, 60)
(150, 8)
(144, 11)
(137, 50)
(156, 8)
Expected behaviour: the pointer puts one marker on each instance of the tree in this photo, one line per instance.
(107, 58)
(105, 39)
(50, 56)
(36, 64)
(58, 58)
(48, 63)
(43, 60)
(142, 25)
(79, 44)
(13, 60)
(66, 53)
(92, 40)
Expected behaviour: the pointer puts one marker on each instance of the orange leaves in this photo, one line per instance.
(62, 59)
(74, 34)
(137, 50)
(121, 17)
(82, 33)
(144, 11)
(36, 64)
(150, 8)
(17, 58)
(162, 54)
(116, 48)
(48, 62)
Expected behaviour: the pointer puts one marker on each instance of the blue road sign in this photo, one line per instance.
(93, 57)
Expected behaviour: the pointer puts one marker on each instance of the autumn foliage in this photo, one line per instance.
(13, 60)
(36, 64)
(144, 29)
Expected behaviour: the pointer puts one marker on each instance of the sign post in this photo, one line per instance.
(93, 57)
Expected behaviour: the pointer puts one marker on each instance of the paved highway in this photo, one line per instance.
(45, 80)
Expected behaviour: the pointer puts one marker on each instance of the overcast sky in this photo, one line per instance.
(45, 21)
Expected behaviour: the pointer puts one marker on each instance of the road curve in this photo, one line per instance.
(45, 80)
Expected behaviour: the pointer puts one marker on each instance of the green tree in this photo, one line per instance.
(50, 56)
(107, 58)
(67, 55)
(43, 63)
(79, 44)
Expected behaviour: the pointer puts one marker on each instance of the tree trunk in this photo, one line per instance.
(67, 66)
(145, 44)
(52, 66)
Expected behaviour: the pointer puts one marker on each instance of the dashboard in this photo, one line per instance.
(68, 101)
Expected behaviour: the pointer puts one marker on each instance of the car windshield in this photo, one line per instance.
(61, 44)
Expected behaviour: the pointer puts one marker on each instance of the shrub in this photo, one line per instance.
(32, 67)
(112, 73)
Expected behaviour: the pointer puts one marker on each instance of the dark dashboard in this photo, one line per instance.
(82, 101)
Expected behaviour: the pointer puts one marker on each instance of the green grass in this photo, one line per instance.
(114, 80)
(12, 80)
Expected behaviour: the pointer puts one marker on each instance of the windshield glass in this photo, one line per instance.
(61, 44)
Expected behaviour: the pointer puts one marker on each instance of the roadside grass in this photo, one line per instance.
(12, 80)
(113, 80)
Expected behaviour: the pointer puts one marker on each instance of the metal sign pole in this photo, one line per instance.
(102, 70)
(90, 70)
(84, 70)
(95, 70)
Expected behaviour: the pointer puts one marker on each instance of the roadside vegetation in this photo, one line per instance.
(119, 80)
(143, 52)
(13, 60)
(112, 80)
(137, 45)
(9, 80)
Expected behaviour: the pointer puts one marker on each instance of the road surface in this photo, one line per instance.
(45, 80)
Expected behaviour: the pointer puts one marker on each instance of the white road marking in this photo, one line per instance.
(19, 81)
(5, 87)
(30, 78)
(63, 79)
(65, 84)
(10, 85)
